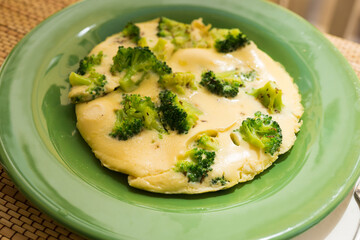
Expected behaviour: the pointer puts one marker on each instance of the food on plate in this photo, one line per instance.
(184, 108)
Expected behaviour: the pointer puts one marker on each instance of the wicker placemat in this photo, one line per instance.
(19, 219)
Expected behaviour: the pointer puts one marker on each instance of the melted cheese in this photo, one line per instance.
(149, 161)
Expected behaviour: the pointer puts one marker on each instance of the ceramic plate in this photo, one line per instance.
(52, 165)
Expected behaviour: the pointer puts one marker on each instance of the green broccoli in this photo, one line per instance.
(228, 40)
(142, 42)
(178, 33)
(160, 49)
(270, 96)
(198, 165)
(262, 132)
(178, 82)
(177, 114)
(132, 32)
(126, 126)
(87, 64)
(95, 81)
(248, 76)
(143, 107)
(220, 180)
(223, 84)
(207, 142)
(77, 99)
(137, 112)
(136, 63)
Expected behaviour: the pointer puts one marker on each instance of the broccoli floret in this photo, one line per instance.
(262, 132)
(137, 112)
(270, 96)
(178, 33)
(132, 32)
(163, 49)
(229, 40)
(220, 180)
(126, 126)
(207, 142)
(142, 42)
(177, 114)
(223, 84)
(87, 64)
(96, 89)
(143, 108)
(249, 76)
(137, 63)
(198, 165)
(77, 99)
(178, 82)
(95, 81)
(160, 49)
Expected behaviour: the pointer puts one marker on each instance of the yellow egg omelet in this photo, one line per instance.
(159, 162)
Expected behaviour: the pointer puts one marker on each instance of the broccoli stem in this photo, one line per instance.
(126, 84)
(251, 135)
(76, 79)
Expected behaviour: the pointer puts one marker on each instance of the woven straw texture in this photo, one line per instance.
(19, 219)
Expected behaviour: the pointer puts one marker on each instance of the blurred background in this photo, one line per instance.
(337, 17)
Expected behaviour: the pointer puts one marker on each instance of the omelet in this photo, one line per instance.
(150, 159)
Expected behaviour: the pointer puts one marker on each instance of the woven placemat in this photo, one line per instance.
(19, 219)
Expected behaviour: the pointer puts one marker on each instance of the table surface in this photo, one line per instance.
(19, 219)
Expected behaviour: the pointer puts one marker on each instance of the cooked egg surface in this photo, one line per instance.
(150, 160)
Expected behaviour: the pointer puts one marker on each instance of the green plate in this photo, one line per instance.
(52, 165)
